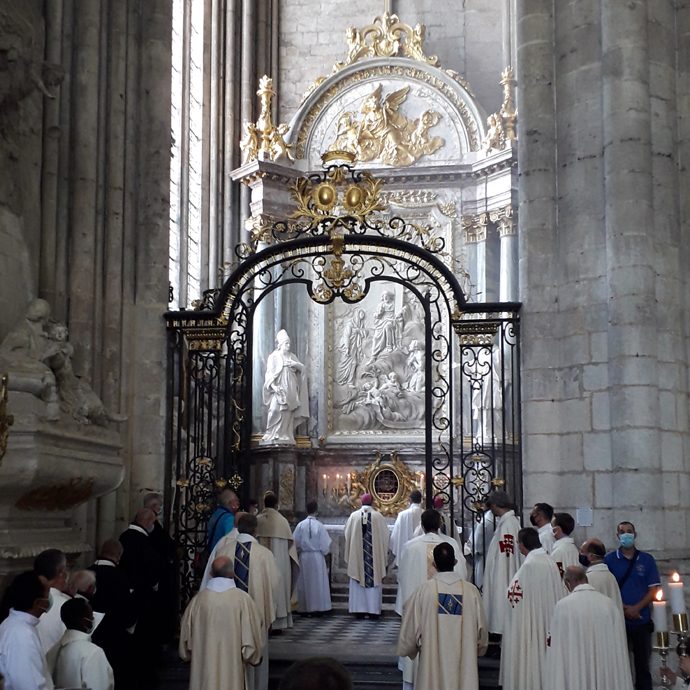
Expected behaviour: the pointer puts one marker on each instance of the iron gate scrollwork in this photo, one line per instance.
(337, 245)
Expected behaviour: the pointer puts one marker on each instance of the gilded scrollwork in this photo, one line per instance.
(386, 36)
(501, 126)
(380, 132)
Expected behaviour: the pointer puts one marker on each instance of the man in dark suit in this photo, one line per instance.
(142, 564)
(114, 598)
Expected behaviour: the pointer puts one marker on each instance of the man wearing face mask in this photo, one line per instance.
(540, 517)
(592, 554)
(564, 551)
(638, 580)
(79, 662)
(22, 660)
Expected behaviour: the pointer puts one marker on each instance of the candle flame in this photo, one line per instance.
(660, 595)
(675, 577)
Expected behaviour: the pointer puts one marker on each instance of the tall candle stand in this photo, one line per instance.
(680, 630)
(662, 648)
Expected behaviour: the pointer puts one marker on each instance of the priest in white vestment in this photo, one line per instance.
(592, 554)
(257, 574)
(478, 544)
(416, 567)
(564, 551)
(443, 622)
(313, 544)
(448, 526)
(405, 525)
(366, 549)
(502, 560)
(78, 662)
(540, 517)
(587, 648)
(273, 531)
(222, 633)
(22, 659)
(532, 596)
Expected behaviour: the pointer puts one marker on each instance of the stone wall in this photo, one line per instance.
(466, 36)
(84, 159)
(603, 246)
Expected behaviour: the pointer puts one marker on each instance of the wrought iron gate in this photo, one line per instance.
(337, 245)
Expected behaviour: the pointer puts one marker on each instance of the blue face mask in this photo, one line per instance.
(626, 540)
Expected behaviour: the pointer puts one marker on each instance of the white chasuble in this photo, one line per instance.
(223, 635)
(532, 595)
(403, 530)
(443, 623)
(502, 562)
(588, 648)
(565, 553)
(603, 580)
(273, 532)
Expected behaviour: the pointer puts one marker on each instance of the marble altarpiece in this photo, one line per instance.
(417, 128)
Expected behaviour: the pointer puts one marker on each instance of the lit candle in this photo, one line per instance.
(349, 483)
(337, 482)
(421, 481)
(676, 595)
(325, 482)
(659, 615)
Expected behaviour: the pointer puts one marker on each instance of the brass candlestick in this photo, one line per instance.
(662, 648)
(680, 630)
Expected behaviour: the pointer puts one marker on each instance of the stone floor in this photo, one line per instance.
(365, 647)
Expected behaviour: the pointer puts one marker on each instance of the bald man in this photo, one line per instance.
(592, 554)
(221, 632)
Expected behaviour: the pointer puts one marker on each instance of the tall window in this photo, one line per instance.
(186, 170)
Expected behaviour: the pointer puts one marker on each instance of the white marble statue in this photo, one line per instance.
(387, 326)
(284, 393)
(39, 357)
(415, 365)
(351, 348)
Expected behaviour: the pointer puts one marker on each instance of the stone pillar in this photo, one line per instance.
(632, 333)
(474, 228)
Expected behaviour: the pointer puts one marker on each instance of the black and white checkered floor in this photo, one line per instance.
(339, 635)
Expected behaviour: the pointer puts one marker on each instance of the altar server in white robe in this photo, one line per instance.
(448, 526)
(502, 560)
(273, 532)
(221, 633)
(588, 648)
(405, 525)
(540, 517)
(444, 624)
(257, 574)
(313, 544)
(22, 659)
(478, 544)
(416, 567)
(366, 549)
(564, 551)
(532, 595)
(78, 662)
(592, 554)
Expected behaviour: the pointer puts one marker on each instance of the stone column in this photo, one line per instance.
(474, 228)
(632, 334)
(506, 225)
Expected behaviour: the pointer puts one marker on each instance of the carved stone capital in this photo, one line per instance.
(474, 227)
(506, 222)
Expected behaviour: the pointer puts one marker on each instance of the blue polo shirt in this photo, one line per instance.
(644, 575)
(221, 523)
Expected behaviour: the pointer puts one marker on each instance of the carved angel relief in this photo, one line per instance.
(381, 132)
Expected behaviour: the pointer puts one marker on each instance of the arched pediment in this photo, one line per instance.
(393, 111)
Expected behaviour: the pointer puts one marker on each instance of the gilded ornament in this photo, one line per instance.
(382, 132)
(386, 36)
(57, 496)
(501, 126)
(324, 196)
(6, 420)
(263, 138)
(353, 198)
